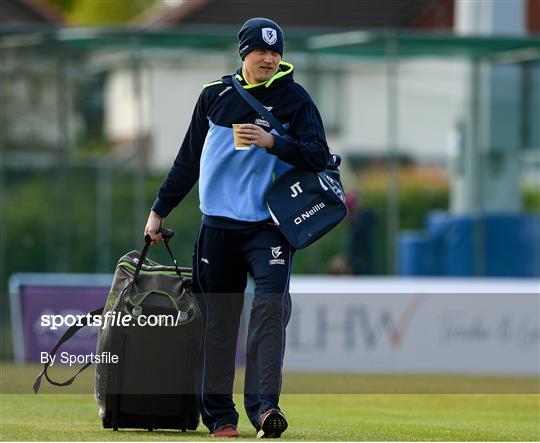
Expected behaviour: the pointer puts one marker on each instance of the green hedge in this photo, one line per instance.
(44, 234)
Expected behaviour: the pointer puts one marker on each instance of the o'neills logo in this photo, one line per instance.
(304, 215)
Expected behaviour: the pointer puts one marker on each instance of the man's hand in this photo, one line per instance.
(256, 135)
(153, 226)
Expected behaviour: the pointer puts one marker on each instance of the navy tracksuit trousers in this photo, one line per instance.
(221, 261)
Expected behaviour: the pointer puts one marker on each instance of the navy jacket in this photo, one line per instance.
(233, 183)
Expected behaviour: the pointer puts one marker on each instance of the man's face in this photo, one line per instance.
(261, 64)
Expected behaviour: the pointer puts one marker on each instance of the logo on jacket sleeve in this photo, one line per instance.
(269, 35)
(276, 252)
(228, 88)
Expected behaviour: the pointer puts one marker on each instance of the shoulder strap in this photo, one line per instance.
(70, 332)
(265, 113)
(256, 104)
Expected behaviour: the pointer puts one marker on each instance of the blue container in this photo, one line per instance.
(456, 235)
(512, 245)
(495, 245)
(418, 255)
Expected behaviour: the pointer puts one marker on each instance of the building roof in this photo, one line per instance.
(306, 13)
(345, 44)
(27, 12)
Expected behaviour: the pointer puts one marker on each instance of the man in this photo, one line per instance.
(237, 235)
(360, 238)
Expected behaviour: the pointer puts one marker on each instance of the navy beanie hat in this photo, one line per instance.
(260, 33)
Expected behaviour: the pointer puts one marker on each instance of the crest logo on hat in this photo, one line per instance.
(269, 35)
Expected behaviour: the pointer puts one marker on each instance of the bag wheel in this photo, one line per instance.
(150, 429)
(115, 428)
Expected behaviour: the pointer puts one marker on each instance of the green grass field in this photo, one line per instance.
(313, 416)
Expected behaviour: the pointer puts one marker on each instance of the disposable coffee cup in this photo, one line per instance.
(239, 144)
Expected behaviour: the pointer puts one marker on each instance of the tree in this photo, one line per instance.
(102, 12)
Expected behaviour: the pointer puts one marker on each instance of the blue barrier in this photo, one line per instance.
(494, 245)
(418, 255)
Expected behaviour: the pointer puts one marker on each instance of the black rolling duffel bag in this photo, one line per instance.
(152, 322)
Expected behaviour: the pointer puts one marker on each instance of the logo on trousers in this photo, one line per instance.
(276, 252)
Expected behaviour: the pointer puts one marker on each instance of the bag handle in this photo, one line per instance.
(167, 234)
(70, 332)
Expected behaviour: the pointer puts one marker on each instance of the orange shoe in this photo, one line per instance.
(226, 431)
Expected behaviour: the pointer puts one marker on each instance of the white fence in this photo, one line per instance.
(414, 325)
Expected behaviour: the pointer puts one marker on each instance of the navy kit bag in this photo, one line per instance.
(304, 205)
(152, 383)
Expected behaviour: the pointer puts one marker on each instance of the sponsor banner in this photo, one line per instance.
(35, 295)
(37, 299)
(415, 332)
